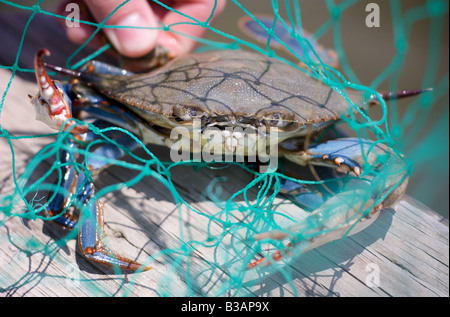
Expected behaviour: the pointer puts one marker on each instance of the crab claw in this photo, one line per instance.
(91, 244)
(353, 207)
(52, 104)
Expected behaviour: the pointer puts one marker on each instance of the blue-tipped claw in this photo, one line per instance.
(77, 183)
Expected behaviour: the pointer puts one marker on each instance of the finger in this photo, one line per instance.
(131, 42)
(200, 10)
(77, 33)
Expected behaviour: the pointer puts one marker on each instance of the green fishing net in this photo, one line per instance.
(212, 210)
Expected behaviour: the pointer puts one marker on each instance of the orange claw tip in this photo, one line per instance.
(134, 266)
(39, 60)
(146, 268)
(42, 52)
(128, 264)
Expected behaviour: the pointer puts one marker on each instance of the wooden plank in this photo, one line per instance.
(404, 253)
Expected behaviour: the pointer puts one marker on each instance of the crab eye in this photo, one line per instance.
(276, 120)
(181, 113)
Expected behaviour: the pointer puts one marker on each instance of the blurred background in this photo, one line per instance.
(420, 128)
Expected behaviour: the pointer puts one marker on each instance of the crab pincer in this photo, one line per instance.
(52, 104)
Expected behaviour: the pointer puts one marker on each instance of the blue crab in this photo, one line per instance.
(222, 89)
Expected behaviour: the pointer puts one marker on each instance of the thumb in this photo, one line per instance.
(130, 38)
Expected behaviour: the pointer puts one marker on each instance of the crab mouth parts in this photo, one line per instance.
(222, 138)
(232, 138)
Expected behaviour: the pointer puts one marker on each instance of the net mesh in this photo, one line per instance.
(211, 245)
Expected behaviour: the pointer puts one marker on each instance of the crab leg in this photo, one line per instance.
(332, 221)
(91, 233)
(382, 179)
(77, 183)
(345, 153)
(392, 95)
(53, 107)
(59, 202)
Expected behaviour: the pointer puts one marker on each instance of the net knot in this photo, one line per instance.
(36, 8)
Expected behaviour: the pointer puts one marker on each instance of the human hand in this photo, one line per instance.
(142, 13)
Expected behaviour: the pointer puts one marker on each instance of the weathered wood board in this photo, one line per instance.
(404, 253)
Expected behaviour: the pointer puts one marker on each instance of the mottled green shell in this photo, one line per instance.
(229, 83)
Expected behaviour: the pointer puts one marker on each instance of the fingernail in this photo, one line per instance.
(132, 42)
